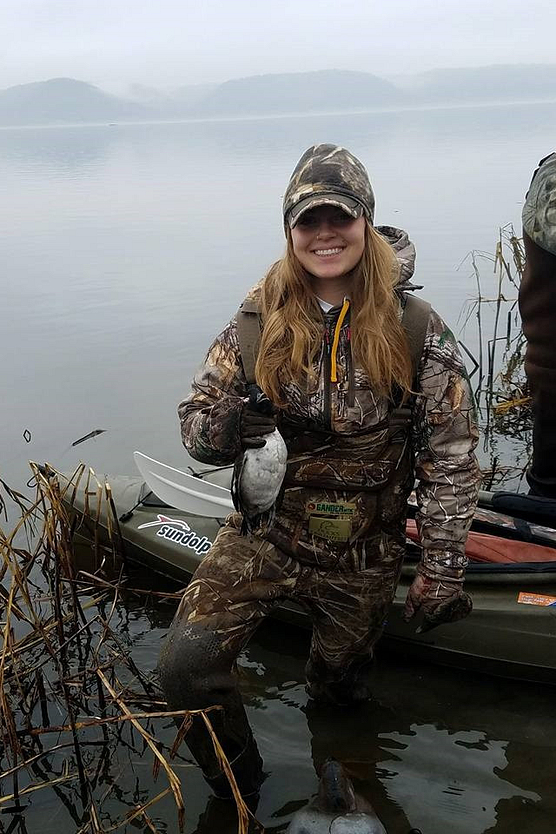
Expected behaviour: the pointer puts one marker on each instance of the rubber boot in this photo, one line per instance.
(340, 694)
(351, 688)
(220, 815)
(247, 768)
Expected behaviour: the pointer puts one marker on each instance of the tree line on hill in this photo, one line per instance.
(66, 100)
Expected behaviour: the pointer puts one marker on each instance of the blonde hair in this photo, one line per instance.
(292, 322)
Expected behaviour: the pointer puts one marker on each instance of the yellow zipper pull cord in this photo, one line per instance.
(335, 341)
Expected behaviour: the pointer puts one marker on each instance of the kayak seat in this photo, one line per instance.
(481, 547)
(532, 508)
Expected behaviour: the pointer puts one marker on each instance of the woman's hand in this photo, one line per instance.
(440, 596)
(258, 417)
(253, 426)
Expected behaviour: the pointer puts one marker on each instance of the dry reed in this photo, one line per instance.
(66, 672)
(500, 386)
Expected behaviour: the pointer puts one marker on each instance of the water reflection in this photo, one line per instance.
(436, 749)
(128, 247)
(56, 151)
(435, 780)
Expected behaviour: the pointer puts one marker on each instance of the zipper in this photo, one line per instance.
(336, 340)
(332, 335)
(327, 366)
(351, 370)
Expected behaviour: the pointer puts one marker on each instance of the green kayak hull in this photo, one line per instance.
(504, 635)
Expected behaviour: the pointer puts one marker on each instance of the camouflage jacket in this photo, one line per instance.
(537, 300)
(443, 428)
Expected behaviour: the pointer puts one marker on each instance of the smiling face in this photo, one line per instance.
(327, 242)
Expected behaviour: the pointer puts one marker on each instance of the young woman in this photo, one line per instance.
(335, 360)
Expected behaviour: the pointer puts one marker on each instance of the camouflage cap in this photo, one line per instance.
(328, 175)
(539, 210)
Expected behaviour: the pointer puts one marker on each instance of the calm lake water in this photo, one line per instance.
(125, 248)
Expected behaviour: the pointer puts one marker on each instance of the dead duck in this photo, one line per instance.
(259, 473)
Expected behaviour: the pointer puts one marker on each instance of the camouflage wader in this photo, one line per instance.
(345, 587)
(338, 541)
(366, 460)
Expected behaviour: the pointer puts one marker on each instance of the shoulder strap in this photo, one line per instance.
(415, 321)
(249, 336)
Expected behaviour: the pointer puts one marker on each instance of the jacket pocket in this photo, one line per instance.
(340, 474)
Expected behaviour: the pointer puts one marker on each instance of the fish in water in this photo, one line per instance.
(259, 474)
(337, 809)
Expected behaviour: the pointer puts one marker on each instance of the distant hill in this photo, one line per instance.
(299, 92)
(499, 82)
(191, 94)
(168, 104)
(64, 100)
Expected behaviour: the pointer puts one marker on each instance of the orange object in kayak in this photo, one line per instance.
(481, 547)
(503, 636)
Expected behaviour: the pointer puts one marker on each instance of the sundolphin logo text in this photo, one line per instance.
(185, 536)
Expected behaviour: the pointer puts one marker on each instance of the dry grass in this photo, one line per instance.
(499, 381)
(71, 696)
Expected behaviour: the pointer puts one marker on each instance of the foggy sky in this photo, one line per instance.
(168, 43)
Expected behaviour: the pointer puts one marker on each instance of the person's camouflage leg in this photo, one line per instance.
(348, 610)
(220, 816)
(236, 586)
(351, 688)
(232, 591)
(196, 672)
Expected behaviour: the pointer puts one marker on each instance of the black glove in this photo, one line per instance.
(440, 595)
(258, 418)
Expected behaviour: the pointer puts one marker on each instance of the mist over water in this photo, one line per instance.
(126, 248)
